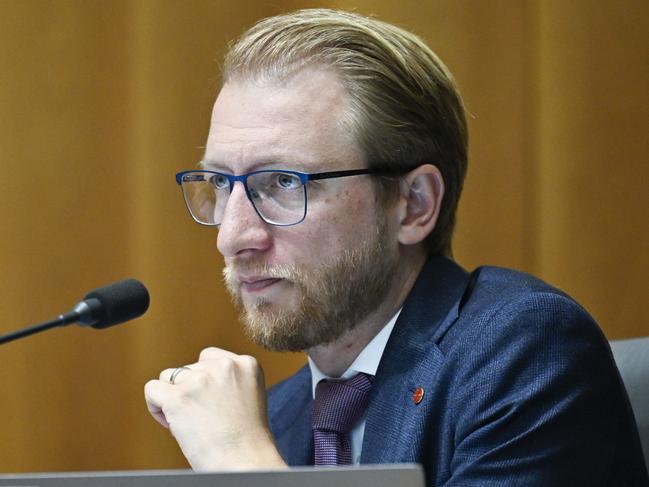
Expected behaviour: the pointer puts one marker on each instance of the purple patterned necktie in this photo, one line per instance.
(337, 407)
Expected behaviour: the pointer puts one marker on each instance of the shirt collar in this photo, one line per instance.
(367, 361)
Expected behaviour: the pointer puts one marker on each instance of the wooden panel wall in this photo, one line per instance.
(102, 102)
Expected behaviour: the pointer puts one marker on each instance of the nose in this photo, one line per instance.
(242, 231)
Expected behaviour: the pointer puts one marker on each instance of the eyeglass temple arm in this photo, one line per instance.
(351, 172)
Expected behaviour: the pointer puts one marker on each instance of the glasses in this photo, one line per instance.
(278, 197)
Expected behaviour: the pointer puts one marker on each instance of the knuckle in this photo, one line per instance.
(148, 386)
(227, 364)
(207, 353)
(248, 361)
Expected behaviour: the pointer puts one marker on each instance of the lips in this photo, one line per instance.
(256, 284)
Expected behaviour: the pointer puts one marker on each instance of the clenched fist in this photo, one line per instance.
(216, 411)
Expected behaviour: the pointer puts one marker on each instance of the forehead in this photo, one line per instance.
(298, 121)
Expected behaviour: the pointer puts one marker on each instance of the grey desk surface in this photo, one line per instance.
(361, 476)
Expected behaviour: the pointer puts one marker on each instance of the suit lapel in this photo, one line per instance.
(394, 425)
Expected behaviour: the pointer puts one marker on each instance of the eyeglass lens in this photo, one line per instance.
(278, 197)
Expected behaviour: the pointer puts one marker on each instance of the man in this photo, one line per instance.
(333, 169)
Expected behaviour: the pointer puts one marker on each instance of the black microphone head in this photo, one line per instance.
(119, 302)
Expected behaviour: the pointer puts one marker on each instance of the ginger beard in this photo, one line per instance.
(333, 297)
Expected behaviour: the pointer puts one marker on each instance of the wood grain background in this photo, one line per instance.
(101, 102)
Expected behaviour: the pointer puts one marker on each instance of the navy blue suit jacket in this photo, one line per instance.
(520, 388)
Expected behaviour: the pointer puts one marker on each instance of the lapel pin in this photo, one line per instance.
(418, 395)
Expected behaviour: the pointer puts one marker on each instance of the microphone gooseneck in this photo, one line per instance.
(106, 306)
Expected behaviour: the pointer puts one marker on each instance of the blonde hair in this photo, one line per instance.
(405, 109)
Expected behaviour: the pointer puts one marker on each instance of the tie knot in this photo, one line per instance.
(339, 404)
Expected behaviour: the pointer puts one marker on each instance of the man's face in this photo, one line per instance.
(303, 285)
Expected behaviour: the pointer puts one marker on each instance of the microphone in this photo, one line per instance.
(113, 304)
(106, 306)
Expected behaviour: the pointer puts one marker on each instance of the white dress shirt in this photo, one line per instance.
(367, 362)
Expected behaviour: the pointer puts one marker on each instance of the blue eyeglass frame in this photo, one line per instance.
(243, 178)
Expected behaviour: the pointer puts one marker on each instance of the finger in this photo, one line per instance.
(228, 362)
(212, 353)
(155, 394)
(171, 376)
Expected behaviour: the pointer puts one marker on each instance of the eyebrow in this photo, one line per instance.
(208, 165)
(273, 162)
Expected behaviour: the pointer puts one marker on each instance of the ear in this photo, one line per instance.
(420, 197)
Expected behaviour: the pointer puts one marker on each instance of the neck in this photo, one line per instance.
(336, 357)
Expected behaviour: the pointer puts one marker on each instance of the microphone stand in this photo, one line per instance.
(62, 320)
(101, 308)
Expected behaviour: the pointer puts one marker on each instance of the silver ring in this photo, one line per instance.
(174, 374)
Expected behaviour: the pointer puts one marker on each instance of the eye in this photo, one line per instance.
(288, 181)
(220, 181)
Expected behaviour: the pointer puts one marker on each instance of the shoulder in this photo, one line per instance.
(526, 365)
(513, 311)
(499, 284)
(497, 296)
(515, 332)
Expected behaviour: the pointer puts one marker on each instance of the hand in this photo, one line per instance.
(216, 411)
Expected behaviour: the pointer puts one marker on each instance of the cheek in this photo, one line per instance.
(333, 223)
(352, 219)
(356, 207)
